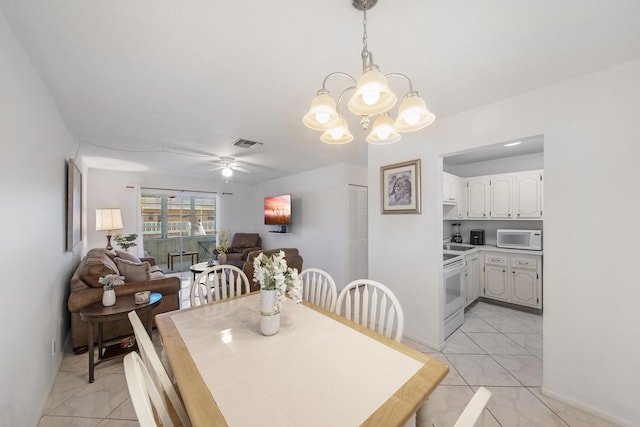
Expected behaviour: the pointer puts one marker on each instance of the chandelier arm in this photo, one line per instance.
(344, 92)
(337, 73)
(404, 77)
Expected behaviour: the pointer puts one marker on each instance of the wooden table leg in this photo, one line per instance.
(423, 416)
(91, 361)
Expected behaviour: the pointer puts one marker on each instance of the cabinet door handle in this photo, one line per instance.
(518, 214)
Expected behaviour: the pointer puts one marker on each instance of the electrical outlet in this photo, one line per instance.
(53, 347)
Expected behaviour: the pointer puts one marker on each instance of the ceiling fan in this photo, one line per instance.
(228, 165)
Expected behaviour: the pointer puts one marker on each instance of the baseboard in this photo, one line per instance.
(423, 342)
(586, 408)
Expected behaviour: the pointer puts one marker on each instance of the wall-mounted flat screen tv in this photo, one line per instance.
(277, 210)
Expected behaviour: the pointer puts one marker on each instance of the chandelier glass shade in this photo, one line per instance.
(371, 97)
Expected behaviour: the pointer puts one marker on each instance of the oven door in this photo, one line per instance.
(454, 287)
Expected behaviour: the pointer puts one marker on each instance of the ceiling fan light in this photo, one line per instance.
(322, 114)
(383, 131)
(227, 172)
(413, 114)
(338, 135)
(372, 95)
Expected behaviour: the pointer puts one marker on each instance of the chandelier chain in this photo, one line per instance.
(365, 47)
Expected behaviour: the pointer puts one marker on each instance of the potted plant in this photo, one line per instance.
(224, 239)
(275, 278)
(126, 242)
(108, 282)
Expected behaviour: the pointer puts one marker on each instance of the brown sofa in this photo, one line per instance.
(85, 290)
(241, 245)
(293, 257)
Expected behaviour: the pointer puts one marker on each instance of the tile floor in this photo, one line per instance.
(497, 347)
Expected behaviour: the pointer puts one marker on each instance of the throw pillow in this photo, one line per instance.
(94, 267)
(133, 271)
(128, 256)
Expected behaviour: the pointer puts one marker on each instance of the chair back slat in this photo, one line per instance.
(218, 283)
(319, 288)
(372, 305)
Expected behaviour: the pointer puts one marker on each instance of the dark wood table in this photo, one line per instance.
(172, 255)
(97, 313)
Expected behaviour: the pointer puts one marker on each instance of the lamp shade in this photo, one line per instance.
(383, 131)
(338, 135)
(322, 114)
(413, 114)
(373, 95)
(108, 219)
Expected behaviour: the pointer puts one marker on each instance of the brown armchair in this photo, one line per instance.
(242, 244)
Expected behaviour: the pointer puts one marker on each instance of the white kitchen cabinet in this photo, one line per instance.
(528, 194)
(478, 197)
(449, 188)
(501, 196)
(514, 278)
(461, 205)
(496, 277)
(472, 278)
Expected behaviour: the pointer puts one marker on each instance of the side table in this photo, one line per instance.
(97, 313)
(172, 255)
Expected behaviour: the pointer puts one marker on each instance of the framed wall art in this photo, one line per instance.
(74, 205)
(400, 188)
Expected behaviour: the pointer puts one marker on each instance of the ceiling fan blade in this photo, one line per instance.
(239, 169)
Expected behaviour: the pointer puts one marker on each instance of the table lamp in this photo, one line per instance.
(108, 220)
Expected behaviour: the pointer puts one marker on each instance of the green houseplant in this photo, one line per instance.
(126, 242)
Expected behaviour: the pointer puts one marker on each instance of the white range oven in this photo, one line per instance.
(454, 289)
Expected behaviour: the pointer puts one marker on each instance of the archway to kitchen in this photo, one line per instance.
(491, 191)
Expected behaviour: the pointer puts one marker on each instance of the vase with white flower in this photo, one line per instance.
(224, 237)
(108, 282)
(275, 279)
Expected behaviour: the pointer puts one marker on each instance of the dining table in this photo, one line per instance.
(320, 369)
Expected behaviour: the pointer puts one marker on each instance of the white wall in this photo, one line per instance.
(35, 264)
(107, 189)
(490, 167)
(591, 346)
(320, 212)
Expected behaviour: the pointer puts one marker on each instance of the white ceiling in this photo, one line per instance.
(169, 85)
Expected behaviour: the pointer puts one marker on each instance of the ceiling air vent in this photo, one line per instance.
(245, 143)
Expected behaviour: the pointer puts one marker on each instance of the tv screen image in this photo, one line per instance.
(277, 210)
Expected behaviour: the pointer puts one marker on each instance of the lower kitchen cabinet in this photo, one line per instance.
(472, 283)
(513, 278)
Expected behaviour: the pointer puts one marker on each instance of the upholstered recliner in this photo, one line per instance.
(242, 244)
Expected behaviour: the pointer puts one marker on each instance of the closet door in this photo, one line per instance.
(358, 233)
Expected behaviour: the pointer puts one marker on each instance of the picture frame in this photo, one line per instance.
(400, 188)
(74, 205)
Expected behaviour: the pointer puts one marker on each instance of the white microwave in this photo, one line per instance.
(520, 239)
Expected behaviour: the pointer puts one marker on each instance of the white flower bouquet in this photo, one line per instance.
(273, 274)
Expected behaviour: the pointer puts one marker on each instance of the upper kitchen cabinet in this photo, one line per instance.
(478, 197)
(528, 195)
(501, 196)
(449, 188)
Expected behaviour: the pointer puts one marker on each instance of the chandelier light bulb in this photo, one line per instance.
(322, 117)
(413, 114)
(322, 114)
(370, 97)
(383, 131)
(338, 135)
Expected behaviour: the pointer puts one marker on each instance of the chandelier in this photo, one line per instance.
(372, 97)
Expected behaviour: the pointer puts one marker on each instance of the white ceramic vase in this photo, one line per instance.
(222, 258)
(269, 316)
(109, 298)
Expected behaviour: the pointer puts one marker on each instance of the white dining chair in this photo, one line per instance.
(155, 368)
(145, 396)
(474, 408)
(218, 283)
(319, 288)
(372, 305)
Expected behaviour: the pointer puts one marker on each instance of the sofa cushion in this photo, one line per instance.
(102, 251)
(133, 271)
(94, 267)
(128, 256)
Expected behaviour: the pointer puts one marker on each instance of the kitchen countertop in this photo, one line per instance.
(492, 248)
